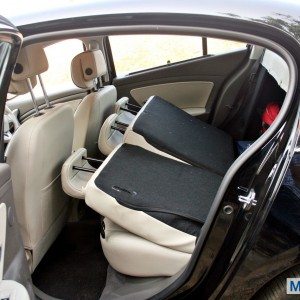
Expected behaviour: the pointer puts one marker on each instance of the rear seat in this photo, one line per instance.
(156, 189)
(170, 130)
(160, 200)
(167, 130)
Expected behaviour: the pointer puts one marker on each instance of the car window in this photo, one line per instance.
(58, 76)
(219, 46)
(133, 53)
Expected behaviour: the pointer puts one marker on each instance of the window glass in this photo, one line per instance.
(132, 53)
(58, 77)
(219, 46)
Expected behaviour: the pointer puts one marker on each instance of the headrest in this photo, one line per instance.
(87, 66)
(31, 61)
(20, 87)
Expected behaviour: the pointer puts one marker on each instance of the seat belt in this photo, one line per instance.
(244, 94)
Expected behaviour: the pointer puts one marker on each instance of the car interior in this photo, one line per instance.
(126, 152)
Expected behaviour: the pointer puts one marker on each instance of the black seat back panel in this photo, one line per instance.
(177, 133)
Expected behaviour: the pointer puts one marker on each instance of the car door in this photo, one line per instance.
(188, 71)
(15, 279)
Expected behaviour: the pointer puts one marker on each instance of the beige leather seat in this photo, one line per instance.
(36, 154)
(156, 203)
(132, 254)
(86, 67)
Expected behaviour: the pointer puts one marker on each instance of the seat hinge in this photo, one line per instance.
(248, 200)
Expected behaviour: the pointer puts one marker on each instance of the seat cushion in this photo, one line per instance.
(175, 132)
(158, 198)
(140, 257)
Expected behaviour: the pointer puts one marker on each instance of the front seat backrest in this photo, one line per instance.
(86, 68)
(36, 154)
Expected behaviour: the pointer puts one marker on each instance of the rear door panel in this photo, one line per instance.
(195, 93)
(192, 85)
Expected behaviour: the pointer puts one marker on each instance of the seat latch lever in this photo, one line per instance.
(248, 200)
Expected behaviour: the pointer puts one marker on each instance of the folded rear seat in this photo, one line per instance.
(163, 128)
(156, 189)
(157, 202)
(131, 254)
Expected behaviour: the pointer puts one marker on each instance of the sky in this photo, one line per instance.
(19, 11)
(16, 7)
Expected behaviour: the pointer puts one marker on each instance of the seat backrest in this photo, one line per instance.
(36, 154)
(86, 68)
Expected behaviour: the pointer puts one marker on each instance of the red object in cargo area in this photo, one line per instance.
(269, 115)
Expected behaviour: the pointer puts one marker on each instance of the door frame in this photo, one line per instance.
(10, 34)
(275, 147)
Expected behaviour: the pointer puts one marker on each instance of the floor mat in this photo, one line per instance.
(74, 267)
(120, 286)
